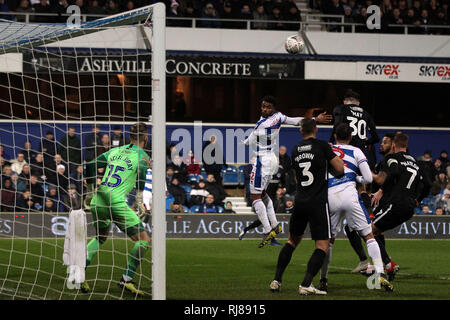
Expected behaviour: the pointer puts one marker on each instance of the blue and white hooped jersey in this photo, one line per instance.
(265, 134)
(147, 195)
(355, 163)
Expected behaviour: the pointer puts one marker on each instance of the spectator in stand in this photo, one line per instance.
(53, 194)
(130, 5)
(440, 20)
(24, 202)
(228, 207)
(433, 8)
(169, 175)
(411, 16)
(117, 138)
(215, 189)
(81, 5)
(439, 211)
(180, 169)
(396, 19)
(8, 196)
(439, 183)
(92, 141)
(348, 18)
(191, 13)
(50, 206)
(277, 18)
(178, 193)
(95, 9)
(245, 14)
(6, 173)
(4, 8)
(43, 7)
(287, 177)
(213, 159)
(424, 21)
(417, 7)
(426, 209)
(61, 181)
(48, 148)
(61, 9)
(228, 13)
(171, 151)
(77, 180)
(403, 7)
(279, 200)
(37, 192)
(198, 194)
(209, 206)
(69, 148)
(3, 154)
(260, 16)
(193, 168)
(362, 19)
(104, 146)
(268, 6)
(72, 200)
(289, 205)
(209, 12)
(18, 163)
(386, 7)
(444, 158)
(174, 11)
(24, 7)
(25, 174)
(334, 8)
(437, 167)
(293, 14)
(51, 170)
(355, 7)
(111, 7)
(37, 166)
(17, 183)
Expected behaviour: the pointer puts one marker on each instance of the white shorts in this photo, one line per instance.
(263, 169)
(345, 204)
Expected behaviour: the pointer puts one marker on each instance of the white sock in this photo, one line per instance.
(326, 263)
(374, 252)
(270, 211)
(261, 211)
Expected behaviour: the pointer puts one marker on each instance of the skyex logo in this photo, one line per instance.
(390, 70)
(373, 282)
(435, 71)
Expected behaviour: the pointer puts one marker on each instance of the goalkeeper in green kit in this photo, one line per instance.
(126, 168)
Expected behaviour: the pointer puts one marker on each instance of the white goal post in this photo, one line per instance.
(148, 30)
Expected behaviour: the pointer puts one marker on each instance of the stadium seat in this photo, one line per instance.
(188, 191)
(230, 176)
(169, 200)
(195, 209)
(186, 209)
(203, 172)
(220, 209)
(241, 174)
(193, 178)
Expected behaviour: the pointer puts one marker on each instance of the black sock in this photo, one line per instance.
(355, 241)
(384, 254)
(283, 260)
(253, 225)
(314, 265)
(381, 238)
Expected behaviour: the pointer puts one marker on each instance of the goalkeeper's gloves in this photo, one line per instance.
(89, 195)
(144, 213)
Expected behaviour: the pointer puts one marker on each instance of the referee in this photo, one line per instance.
(311, 159)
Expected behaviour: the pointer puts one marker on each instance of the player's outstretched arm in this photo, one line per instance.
(324, 118)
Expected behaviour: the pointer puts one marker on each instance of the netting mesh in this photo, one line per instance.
(62, 105)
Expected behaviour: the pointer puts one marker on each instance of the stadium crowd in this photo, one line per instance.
(393, 12)
(267, 14)
(50, 177)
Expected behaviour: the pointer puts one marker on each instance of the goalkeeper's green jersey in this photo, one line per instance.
(125, 168)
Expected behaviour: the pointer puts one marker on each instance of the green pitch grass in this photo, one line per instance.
(221, 269)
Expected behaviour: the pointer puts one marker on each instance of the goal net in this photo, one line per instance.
(69, 93)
